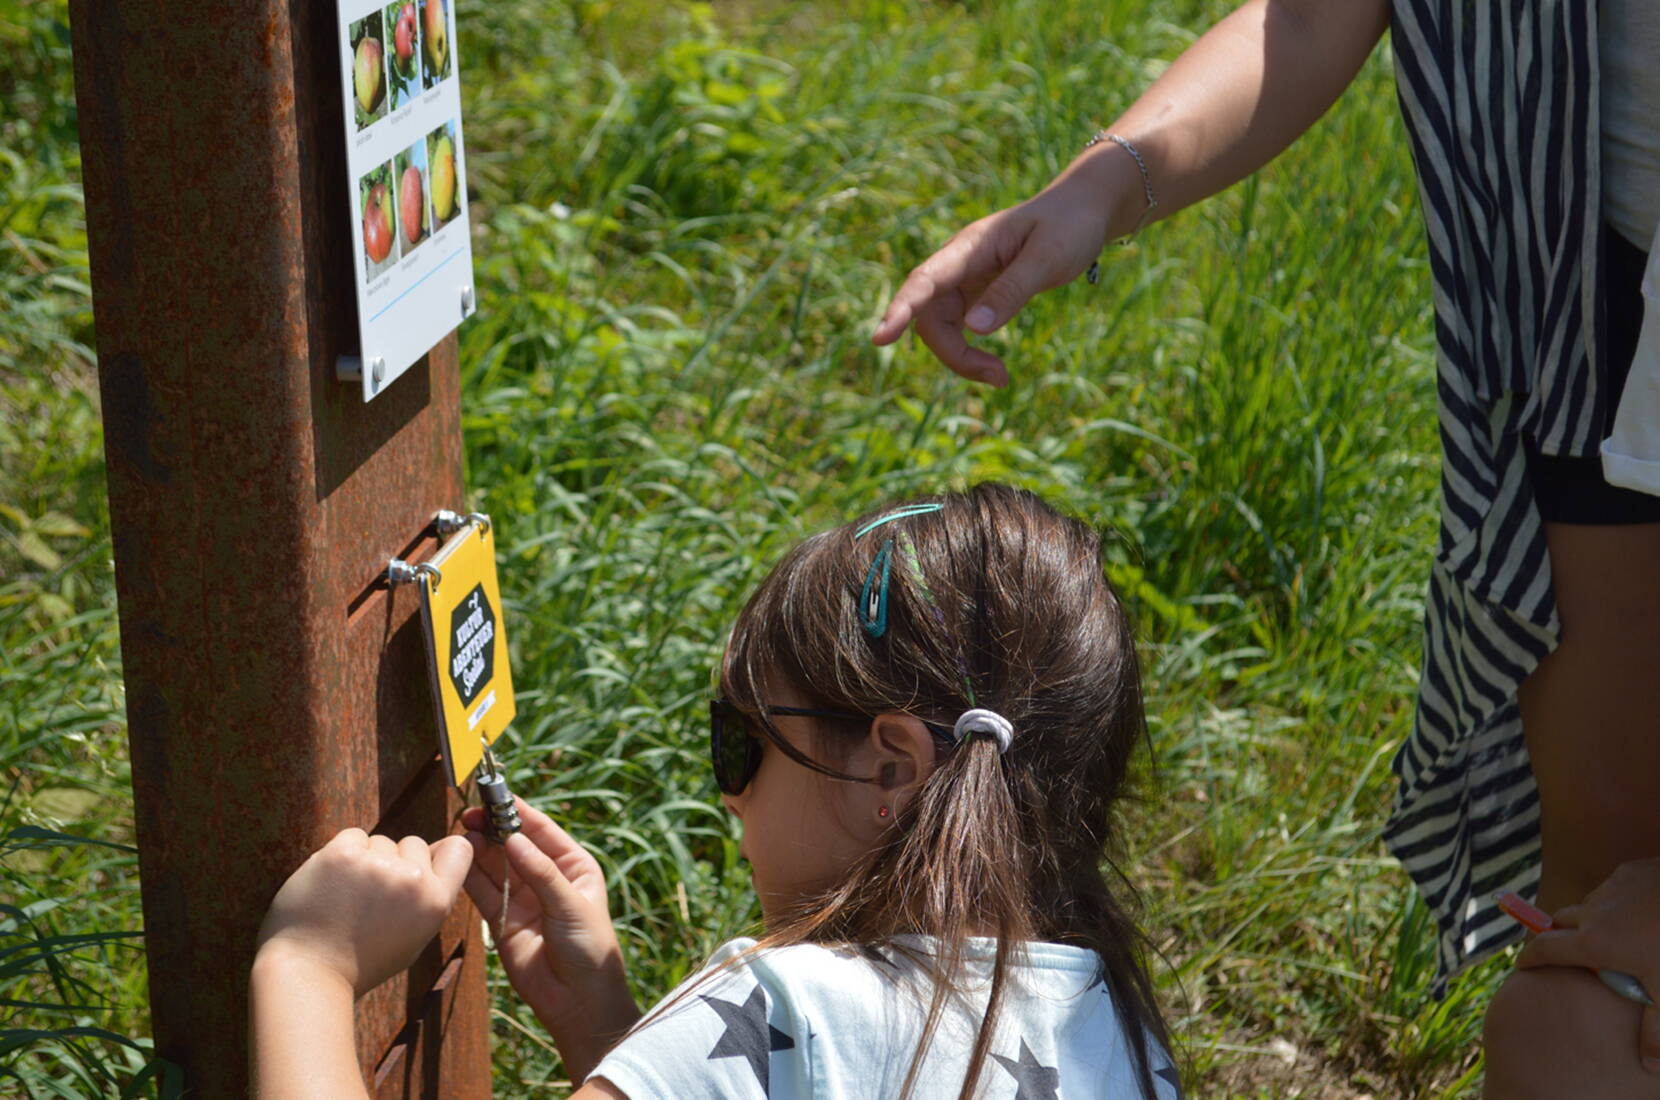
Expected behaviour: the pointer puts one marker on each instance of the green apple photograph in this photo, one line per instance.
(368, 70)
(435, 41)
(444, 175)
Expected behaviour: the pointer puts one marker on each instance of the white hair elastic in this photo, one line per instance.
(988, 722)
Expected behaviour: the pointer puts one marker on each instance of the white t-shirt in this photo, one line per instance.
(817, 1023)
(1631, 453)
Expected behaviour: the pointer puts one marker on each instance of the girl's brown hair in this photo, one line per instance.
(995, 600)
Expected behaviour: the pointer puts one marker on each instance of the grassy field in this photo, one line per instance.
(687, 219)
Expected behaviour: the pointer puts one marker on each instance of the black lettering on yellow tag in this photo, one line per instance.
(472, 684)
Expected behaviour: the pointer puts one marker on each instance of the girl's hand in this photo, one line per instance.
(1616, 928)
(992, 268)
(556, 943)
(363, 907)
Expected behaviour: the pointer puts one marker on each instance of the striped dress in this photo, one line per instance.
(1500, 102)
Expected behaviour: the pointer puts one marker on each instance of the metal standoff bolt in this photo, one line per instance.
(399, 572)
(377, 370)
(466, 300)
(448, 522)
(501, 815)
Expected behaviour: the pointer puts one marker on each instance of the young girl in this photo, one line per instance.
(925, 719)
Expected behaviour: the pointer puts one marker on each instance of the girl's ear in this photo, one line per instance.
(903, 751)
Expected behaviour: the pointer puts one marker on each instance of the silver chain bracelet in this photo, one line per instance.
(1094, 273)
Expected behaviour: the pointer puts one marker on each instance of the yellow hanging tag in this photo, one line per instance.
(467, 643)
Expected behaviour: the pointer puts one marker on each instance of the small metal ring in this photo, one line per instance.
(479, 518)
(431, 570)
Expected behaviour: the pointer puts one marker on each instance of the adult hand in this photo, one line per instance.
(987, 272)
(1616, 928)
(556, 942)
(364, 906)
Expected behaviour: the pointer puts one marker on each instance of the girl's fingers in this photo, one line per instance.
(414, 850)
(554, 842)
(451, 860)
(559, 898)
(383, 846)
(481, 886)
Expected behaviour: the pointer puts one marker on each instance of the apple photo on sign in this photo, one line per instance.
(368, 70)
(403, 47)
(443, 176)
(414, 219)
(379, 220)
(435, 41)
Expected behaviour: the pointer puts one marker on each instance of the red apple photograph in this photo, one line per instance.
(378, 221)
(403, 68)
(409, 171)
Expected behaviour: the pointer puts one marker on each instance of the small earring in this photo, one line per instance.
(883, 812)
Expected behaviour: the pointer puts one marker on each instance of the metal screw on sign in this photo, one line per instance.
(399, 572)
(466, 300)
(377, 370)
(448, 522)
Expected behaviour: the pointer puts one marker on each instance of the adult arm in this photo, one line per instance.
(1229, 104)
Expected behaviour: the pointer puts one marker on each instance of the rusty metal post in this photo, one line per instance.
(275, 692)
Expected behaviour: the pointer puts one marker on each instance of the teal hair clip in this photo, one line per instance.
(902, 513)
(873, 601)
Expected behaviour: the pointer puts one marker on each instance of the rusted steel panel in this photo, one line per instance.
(273, 695)
(452, 1011)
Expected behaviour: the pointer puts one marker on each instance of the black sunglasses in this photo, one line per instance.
(735, 749)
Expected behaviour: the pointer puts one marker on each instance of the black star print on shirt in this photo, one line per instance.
(1035, 1081)
(747, 1034)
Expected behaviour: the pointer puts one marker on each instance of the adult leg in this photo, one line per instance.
(1591, 710)
(1558, 1033)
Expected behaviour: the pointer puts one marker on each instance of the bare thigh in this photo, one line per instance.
(1559, 1034)
(1591, 710)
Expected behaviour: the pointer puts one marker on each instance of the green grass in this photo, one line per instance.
(689, 218)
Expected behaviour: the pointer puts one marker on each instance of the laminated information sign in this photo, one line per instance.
(408, 194)
(467, 646)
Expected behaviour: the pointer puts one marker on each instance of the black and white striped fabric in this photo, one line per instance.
(1500, 102)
